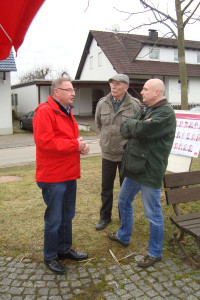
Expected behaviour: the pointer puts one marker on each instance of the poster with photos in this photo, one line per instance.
(187, 137)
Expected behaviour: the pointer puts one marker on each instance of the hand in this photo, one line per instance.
(86, 150)
(150, 119)
(82, 144)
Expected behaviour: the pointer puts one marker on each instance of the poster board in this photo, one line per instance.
(187, 141)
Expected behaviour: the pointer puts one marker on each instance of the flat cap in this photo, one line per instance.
(120, 77)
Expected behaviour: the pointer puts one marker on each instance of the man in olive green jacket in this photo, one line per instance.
(150, 133)
(111, 111)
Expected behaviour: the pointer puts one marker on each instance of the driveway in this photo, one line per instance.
(17, 149)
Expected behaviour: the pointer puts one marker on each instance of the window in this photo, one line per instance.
(2, 75)
(100, 57)
(175, 55)
(14, 99)
(153, 54)
(198, 57)
(91, 63)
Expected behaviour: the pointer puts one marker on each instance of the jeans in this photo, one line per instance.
(60, 199)
(152, 209)
(109, 169)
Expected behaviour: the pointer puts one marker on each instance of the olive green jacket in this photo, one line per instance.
(149, 143)
(108, 123)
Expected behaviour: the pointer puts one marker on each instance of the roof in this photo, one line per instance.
(8, 64)
(76, 83)
(121, 49)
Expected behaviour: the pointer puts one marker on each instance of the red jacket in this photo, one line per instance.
(57, 147)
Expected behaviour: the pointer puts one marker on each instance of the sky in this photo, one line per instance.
(58, 33)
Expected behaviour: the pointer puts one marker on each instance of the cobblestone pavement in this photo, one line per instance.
(99, 279)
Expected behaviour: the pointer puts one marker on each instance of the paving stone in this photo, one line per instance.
(16, 283)
(43, 291)
(29, 291)
(76, 284)
(130, 287)
(6, 297)
(51, 284)
(137, 293)
(152, 293)
(54, 292)
(135, 277)
(194, 285)
(16, 290)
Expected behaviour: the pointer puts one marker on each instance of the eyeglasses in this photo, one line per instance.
(68, 90)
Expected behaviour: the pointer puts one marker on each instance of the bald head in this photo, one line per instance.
(153, 91)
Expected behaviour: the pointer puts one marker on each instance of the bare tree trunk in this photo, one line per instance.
(181, 56)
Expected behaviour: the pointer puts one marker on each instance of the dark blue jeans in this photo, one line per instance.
(152, 209)
(60, 199)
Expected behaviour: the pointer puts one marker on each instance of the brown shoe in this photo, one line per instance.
(112, 236)
(148, 261)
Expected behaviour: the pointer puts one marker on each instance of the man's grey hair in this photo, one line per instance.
(57, 82)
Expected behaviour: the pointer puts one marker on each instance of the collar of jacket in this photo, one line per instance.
(64, 109)
(159, 103)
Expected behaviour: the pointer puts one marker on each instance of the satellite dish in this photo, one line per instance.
(116, 28)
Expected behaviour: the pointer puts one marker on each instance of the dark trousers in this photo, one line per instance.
(109, 169)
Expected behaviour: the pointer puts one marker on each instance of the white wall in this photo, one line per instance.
(5, 106)
(103, 72)
(193, 90)
(173, 90)
(27, 99)
(44, 93)
(167, 54)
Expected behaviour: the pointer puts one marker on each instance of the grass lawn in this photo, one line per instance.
(22, 212)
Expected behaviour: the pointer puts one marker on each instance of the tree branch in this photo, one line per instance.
(191, 16)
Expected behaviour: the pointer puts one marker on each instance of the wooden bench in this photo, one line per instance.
(183, 188)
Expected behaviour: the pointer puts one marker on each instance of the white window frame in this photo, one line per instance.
(100, 59)
(198, 57)
(176, 56)
(91, 62)
(154, 54)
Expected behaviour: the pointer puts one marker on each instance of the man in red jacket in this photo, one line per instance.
(58, 149)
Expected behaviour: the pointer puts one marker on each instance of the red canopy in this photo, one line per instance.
(15, 19)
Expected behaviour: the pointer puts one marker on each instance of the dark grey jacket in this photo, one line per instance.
(108, 123)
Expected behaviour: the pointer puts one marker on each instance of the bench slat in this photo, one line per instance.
(195, 215)
(179, 179)
(189, 223)
(195, 232)
(182, 195)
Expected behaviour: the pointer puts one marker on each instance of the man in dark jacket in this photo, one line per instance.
(150, 133)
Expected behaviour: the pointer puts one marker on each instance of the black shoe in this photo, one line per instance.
(102, 224)
(72, 255)
(55, 266)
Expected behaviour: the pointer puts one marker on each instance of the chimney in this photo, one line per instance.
(153, 34)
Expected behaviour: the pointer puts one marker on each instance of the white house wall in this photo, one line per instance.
(5, 106)
(173, 90)
(166, 54)
(85, 102)
(193, 90)
(44, 93)
(103, 72)
(27, 99)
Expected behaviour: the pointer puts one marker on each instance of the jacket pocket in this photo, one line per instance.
(135, 161)
(105, 117)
